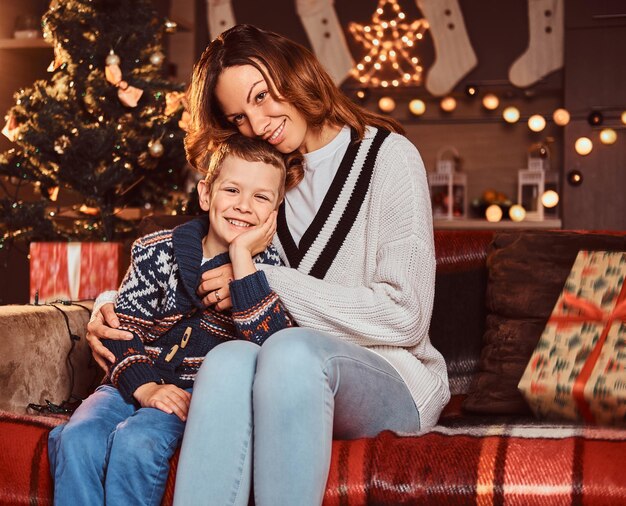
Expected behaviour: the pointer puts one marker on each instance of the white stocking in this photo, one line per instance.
(326, 36)
(455, 56)
(545, 45)
(220, 16)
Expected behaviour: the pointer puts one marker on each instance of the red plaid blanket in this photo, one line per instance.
(465, 462)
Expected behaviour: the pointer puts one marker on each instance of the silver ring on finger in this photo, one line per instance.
(217, 296)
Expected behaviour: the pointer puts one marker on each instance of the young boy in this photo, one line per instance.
(115, 449)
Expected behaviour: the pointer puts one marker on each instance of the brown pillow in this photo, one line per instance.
(527, 271)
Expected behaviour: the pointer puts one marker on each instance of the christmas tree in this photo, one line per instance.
(104, 128)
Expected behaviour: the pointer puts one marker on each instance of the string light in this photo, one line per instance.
(388, 41)
(448, 104)
(550, 198)
(608, 136)
(536, 123)
(583, 146)
(517, 213)
(511, 114)
(490, 102)
(387, 104)
(493, 213)
(561, 117)
(417, 107)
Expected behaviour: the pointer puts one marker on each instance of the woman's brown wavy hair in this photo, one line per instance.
(299, 79)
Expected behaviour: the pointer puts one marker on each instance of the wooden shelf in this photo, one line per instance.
(24, 43)
(477, 224)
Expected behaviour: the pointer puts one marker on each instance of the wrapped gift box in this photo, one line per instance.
(74, 270)
(578, 369)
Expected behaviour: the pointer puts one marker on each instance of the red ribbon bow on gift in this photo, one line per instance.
(589, 312)
(128, 95)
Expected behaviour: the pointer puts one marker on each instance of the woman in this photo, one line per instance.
(356, 237)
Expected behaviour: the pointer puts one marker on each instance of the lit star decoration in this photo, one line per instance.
(389, 42)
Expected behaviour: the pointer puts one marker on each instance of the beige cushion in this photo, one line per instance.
(34, 344)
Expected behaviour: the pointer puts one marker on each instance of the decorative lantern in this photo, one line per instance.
(448, 188)
(531, 186)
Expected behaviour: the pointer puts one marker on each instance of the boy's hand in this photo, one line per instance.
(168, 398)
(250, 243)
(258, 238)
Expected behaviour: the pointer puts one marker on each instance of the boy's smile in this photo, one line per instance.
(242, 196)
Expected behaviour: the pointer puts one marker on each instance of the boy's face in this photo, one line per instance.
(242, 196)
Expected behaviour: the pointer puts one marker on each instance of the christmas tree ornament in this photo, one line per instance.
(183, 123)
(11, 128)
(58, 59)
(174, 101)
(544, 53)
(156, 148)
(128, 95)
(388, 41)
(325, 34)
(112, 58)
(157, 58)
(454, 54)
(170, 26)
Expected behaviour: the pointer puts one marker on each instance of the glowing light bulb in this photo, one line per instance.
(624, 117)
(511, 114)
(386, 104)
(491, 102)
(550, 198)
(608, 136)
(417, 107)
(517, 213)
(448, 104)
(561, 117)
(493, 213)
(536, 123)
(583, 146)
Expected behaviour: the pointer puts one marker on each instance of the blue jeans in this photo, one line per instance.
(112, 453)
(276, 409)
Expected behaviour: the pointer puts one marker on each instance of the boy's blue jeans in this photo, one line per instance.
(272, 412)
(112, 453)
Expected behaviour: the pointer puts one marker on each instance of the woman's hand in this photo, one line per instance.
(214, 289)
(102, 326)
(168, 398)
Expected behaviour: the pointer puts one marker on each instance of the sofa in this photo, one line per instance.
(494, 293)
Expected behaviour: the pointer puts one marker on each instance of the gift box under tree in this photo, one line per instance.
(578, 369)
(74, 270)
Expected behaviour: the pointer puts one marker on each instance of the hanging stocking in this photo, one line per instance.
(220, 16)
(327, 39)
(455, 56)
(545, 45)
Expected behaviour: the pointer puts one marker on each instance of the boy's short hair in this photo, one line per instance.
(250, 150)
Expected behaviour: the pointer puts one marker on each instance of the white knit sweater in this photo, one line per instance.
(378, 290)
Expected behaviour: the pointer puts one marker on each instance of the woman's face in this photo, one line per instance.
(245, 100)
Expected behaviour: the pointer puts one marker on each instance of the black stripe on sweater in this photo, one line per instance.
(294, 252)
(351, 211)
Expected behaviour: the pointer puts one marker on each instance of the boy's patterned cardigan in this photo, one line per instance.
(172, 329)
